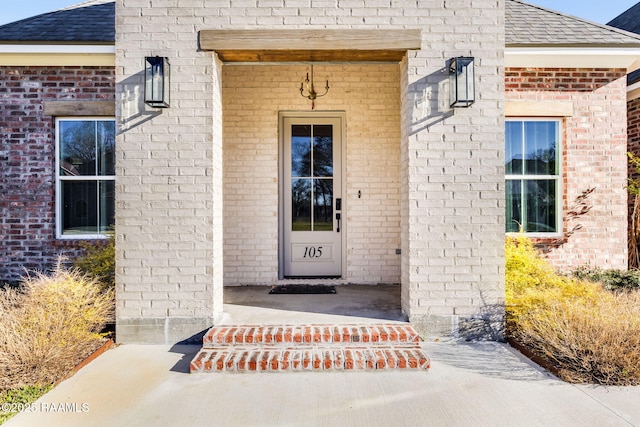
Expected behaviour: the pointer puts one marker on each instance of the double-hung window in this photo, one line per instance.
(85, 177)
(532, 170)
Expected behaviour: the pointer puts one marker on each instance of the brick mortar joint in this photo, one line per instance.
(310, 346)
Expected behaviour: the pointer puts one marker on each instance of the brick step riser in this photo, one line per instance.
(277, 360)
(317, 335)
(281, 348)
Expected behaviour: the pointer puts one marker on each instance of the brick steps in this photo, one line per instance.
(278, 348)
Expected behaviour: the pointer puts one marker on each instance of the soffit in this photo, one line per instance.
(540, 57)
(51, 55)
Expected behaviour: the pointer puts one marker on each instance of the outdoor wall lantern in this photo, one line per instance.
(157, 76)
(462, 91)
(311, 90)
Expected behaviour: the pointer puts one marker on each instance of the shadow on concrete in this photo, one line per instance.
(490, 359)
(188, 352)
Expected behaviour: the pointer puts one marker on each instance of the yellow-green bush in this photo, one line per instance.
(532, 284)
(586, 332)
(48, 323)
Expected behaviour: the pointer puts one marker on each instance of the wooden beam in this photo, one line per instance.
(310, 45)
(79, 108)
(310, 55)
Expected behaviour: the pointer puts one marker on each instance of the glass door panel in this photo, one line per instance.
(312, 238)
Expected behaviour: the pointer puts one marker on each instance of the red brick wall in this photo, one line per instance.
(27, 208)
(594, 155)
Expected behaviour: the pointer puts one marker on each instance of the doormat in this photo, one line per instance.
(303, 289)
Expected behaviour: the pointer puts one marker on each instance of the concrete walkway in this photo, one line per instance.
(469, 384)
(485, 384)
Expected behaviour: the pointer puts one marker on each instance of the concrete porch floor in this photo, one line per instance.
(252, 305)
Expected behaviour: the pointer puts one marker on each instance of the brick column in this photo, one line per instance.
(453, 180)
(168, 186)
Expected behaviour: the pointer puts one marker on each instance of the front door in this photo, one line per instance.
(312, 225)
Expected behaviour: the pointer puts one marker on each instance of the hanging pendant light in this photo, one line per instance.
(311, 94)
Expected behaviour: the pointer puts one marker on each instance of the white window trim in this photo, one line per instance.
(558, 178)
(58, 180)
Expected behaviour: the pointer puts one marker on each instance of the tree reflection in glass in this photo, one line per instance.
(311, 177)
(86, 150)
(301, 204)
(532, 165)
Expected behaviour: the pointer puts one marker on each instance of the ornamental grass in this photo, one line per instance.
(48, 324)
(587, 333)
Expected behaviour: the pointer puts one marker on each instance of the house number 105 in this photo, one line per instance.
(312, 252)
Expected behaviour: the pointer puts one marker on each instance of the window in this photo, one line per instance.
(532, 169)
(85, 177)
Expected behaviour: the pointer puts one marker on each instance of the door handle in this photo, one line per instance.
(338, 219)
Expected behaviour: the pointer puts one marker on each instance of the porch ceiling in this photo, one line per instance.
(310, 45)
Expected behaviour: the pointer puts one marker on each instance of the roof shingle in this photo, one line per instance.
(527, 25)
(91, 21)
(628, 20)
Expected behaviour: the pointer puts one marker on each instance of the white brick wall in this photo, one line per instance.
(453, 202)
(169, 164)
(253, 95)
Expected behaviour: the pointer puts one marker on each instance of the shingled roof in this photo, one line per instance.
(527, 25)
(628, 20)
(92, 21)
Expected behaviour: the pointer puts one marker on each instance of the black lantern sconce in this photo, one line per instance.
(157, 76)
(462, 91)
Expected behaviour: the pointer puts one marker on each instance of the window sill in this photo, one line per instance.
(65, 242)
(538, 236)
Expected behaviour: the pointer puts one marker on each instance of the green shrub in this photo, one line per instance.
(99, 261)
(587, 333)
(615, 280)
(19, 398)
(49, 324)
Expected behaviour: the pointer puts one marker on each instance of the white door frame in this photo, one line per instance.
(341, 115)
